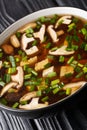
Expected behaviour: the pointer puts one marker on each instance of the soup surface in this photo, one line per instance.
(43, 62)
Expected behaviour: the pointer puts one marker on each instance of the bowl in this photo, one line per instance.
(54, 108)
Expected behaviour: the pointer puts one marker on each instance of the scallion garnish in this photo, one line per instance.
(52, 74)
(39, 93)
(7, 78)
(68, 91)
(11, 70)
(48, 45)
(27, 76)
(15, 105)
(56, 90)
(79, 75)
(61, 59)
(56, 81)
(45, 99)
(12, 61)
(2, 83)
(84, 69)
(70, 60)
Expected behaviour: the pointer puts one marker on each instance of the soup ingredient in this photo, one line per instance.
(66, 70)
(27, 26)
(33, 105)
(28, 96)
(52, 33)
(7, 87)
(47, 71)
(40, 34)
(60, 32)
(63, 20)
(8, 49)
(14, 41)
(61, 51)
(41, 65)
(19, 77)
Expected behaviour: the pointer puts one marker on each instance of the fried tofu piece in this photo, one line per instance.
(65, 70)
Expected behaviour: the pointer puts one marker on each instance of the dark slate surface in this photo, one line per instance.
(70, 119)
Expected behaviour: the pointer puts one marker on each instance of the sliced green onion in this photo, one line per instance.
(79, 75)
(12, 61)
(25, 67)
(34, 43)
(47, 65)
(3, 101)
(85, 49)
(7, 78)
(62, 93)
(70, 60)
(27, 76)
(75, 47)
(56, 90)
(68, 91)
(47, 81)
(11, 70)
(32, 88)
(15, 105)
(68, 75)
(45, 99)
(34, 72)
(84, 69)
(54, 48)
(18, 34)
(61, 59)
(80, 65)
(42, 19)
(56, 81)
(48, 45)
(52, 74)
(50, 57)
(1, 54)
(79, 57)
(71, 27)
(17, 59)
(6, 64)
(29, 31)
(78, 69)
(2, 83)
(23, 102)
(39, 93)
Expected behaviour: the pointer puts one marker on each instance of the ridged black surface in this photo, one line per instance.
(70, 119)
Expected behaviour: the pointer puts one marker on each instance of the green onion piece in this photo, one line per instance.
(68, 75)
(23, 102)
(61, 85)
(61, 59)
(48, 45)
(85, 49)
(2, 83)
(45, 99)
(11, 70)
(25, 67)
(80, 65)
(84, 69)
(75, 20)
(32, 88)
(56, 90)
(34, 43)
(53, 19)
(34, 72)
(56, 81)
(60, 22)
(79, 75)
(29, 31)
(47, 81)
(1, 54)
(77, 69)
(12, 60)
(84, 31)
(68, 91)
(50, 57)
(86, 76)
(42, 19)
(6, 64)
(3, 101)
(62, 93)
(47, 65)
(17, 59)
(18, 34)
(27, 76)
(70, 60)
(39, 93)
(75, 47)
(71, 27)
(52, 74)
(54, 86)
(79, 57)
(15, 105)
(76, 38)
(54, 48)
(24, 58)
(7, 78)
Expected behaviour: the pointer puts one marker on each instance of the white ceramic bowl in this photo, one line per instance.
(45, 12)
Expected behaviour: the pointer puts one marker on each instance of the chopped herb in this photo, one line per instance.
(52, 74)
(61, 59)
(11, 70)
(45, 99)
(78, 69)
(85, 47)
(71, 27)
(47, 81)
(80, 65)
(84, 69)
(68, 75)
(7, 78)
(56, 81)
(54, 48)
(2, 83)
(47, 65)
(79, 57)
(27, 76)
(18, 34)
(15, 105)
(23, 102)
(48, 45)
(70, 60)
(29, 31)
(34, 43)
(3, 101)
(34, 72)
(56, 90)
(68, 91)
(50, 57)
(12, 61)
(39, 93)
(79, 75)
(1, 54)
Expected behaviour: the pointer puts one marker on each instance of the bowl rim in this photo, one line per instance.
(43, 11)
